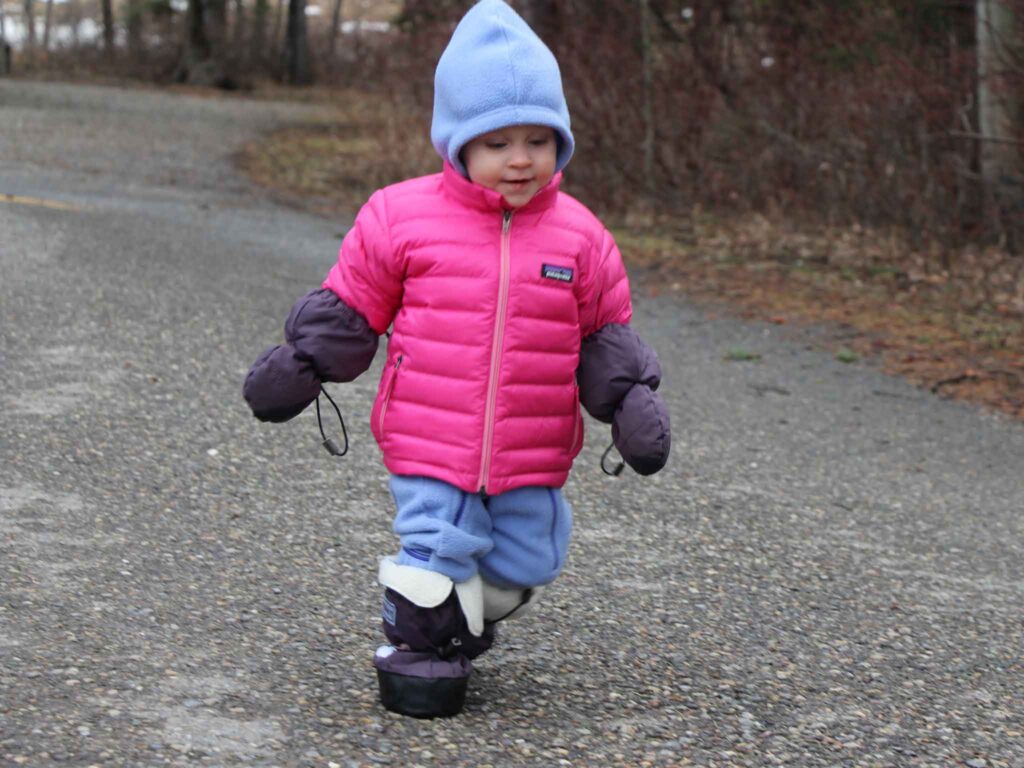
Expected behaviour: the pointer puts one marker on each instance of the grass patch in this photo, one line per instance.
(741, 356)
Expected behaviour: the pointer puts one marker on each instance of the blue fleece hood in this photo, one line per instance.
(494, 73)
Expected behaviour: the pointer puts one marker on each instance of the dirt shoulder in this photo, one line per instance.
(952, 332)
(956, 329)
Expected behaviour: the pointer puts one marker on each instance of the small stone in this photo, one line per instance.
(977, 762)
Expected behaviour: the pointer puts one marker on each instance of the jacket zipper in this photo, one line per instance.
(496, 342)
(387, 397)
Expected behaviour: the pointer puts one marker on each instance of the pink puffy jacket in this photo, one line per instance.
(489, 307)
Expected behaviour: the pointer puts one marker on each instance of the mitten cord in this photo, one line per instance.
(329, 443)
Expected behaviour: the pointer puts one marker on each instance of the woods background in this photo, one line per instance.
(903, 115)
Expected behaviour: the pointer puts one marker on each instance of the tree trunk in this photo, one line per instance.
(217, 27)
(108, 27)
(258, 32)
(197, 46)
(46, 26)
(238, 31)
(648, 95)
(999, 154)
(30, 27)
(75, 18)
(196, 50)
(204, 59)
(275, 37)
(5, 48)
(134, 27)
(297, 63)
(333, 39)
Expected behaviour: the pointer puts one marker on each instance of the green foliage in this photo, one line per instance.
(845, 355)
(738, 355)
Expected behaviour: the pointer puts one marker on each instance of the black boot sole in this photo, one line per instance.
(423, 697)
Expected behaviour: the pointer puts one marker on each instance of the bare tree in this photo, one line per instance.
(275, 35)
(135, 11)
(108, 27)
(647, 53)
(333, 38)
(258, 32)
(998, 105)
(46, 26)
(238, 30)
(30, 26)
(5, 48)
(204, 59)
(298, 70)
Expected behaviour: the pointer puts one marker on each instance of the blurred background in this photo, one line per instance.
(836, 147)
(906, 112)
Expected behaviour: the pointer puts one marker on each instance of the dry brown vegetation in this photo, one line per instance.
(797, 160)
(952, 322)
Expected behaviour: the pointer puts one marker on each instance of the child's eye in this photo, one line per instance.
(496, 145)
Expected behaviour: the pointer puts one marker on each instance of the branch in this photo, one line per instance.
(981, 137)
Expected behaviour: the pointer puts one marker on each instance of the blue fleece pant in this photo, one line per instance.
(516, 539)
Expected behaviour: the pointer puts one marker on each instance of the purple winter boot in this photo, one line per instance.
(424, 670)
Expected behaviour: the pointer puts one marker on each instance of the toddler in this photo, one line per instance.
(509, 307)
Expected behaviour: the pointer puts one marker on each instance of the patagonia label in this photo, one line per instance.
(552, 272)
(388, 611)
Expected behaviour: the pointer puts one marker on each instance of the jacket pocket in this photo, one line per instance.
(387, 388)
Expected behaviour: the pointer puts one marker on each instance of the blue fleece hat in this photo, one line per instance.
(494, 73)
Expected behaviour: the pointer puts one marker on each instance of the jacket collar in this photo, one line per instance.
(472, 195)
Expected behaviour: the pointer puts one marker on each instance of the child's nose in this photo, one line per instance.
(520, 157)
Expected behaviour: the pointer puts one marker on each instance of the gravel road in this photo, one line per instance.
(830, 572)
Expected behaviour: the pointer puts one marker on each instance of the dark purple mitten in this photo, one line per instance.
(641, 431)
(280, 384)
(336, 338)
(326, 341)
(618, 376)
(612, 361)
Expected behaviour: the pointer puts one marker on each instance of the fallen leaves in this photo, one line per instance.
(935, 328)
(951, 322)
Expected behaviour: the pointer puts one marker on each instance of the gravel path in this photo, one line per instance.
(829, 572)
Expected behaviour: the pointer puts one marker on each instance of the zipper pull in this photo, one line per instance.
(506, 224)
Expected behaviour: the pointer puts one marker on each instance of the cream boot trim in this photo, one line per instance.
(506, 603)
(471, 600)
(427, 589)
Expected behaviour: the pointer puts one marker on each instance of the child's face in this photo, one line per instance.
(516, 161)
